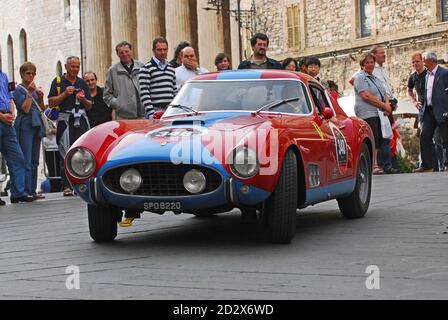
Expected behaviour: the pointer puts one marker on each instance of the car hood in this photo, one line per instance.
(210, 133)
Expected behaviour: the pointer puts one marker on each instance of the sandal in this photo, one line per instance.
(67, 192)
(126, 222)
(378, 170)
(38, 196)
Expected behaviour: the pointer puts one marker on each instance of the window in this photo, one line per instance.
(23, 47)
(244, 95)
(59, 69)
(10, 59)
(319, 99)
(365, 18)
(444, 10)
(67, 10)
(292, 21)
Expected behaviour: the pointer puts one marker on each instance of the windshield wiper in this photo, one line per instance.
(275, 104)
(185, 108)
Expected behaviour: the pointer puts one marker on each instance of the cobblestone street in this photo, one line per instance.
(404, 233)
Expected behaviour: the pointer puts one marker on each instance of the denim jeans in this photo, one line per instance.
(29, 141)
(385, 155)
(9, 147)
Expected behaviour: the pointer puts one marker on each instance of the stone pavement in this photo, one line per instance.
(404, 234)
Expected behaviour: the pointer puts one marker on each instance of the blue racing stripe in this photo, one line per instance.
(330, 192)
(240, 75)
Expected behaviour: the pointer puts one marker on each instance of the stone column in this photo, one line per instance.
(178, 22)
(150, 24)
(210, 35)
(123, 25)
(235, 37)
(97, 38)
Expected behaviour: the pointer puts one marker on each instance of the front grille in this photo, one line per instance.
(161, 179)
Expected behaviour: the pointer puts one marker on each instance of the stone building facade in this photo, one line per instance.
(332, 31)
(44, 32)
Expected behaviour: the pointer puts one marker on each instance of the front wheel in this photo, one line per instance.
(280, 209)
(356, 204)
(103, 222)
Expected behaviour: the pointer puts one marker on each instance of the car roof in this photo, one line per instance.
(254, 75)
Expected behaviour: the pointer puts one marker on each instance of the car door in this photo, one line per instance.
(306, 129)
(337, 151)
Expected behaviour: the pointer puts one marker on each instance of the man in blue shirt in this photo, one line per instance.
(72, 95)
(9, 146)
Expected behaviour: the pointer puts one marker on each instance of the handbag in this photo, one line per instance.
(48, 124)
(386, 128)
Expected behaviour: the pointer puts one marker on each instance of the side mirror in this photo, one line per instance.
(327, 113)
(158, 114)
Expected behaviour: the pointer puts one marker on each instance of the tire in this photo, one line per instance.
(103, 222)
(356, 205)
(280, 209)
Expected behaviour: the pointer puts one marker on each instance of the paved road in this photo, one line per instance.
(183, 257)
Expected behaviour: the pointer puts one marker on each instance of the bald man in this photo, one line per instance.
(189, 68)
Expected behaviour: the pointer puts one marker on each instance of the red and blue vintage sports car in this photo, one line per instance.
(266, 142)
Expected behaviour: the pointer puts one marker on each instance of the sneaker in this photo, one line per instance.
(2, 203)
(67, 192)
(126, 223)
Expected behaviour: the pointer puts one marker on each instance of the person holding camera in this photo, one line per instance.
(30, 129)
(71, 95)
(382, 74)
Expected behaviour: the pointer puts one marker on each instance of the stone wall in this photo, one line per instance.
(51, 38)
(329, 31)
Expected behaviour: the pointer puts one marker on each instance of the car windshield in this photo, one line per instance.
(241, 95)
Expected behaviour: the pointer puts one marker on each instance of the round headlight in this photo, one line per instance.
(194, 181)
(81, 163)
(245, 163)
(130, 180)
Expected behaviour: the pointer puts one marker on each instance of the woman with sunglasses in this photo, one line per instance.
(30, 129)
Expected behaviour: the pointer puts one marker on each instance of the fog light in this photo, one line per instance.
(131, 180)
(194, 181)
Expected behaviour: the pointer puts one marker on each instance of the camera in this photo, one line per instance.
(393, 102)
(11, 86)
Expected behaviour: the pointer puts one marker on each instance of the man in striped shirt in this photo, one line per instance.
(157, 80)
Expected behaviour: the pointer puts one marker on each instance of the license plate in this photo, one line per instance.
(167, 206)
